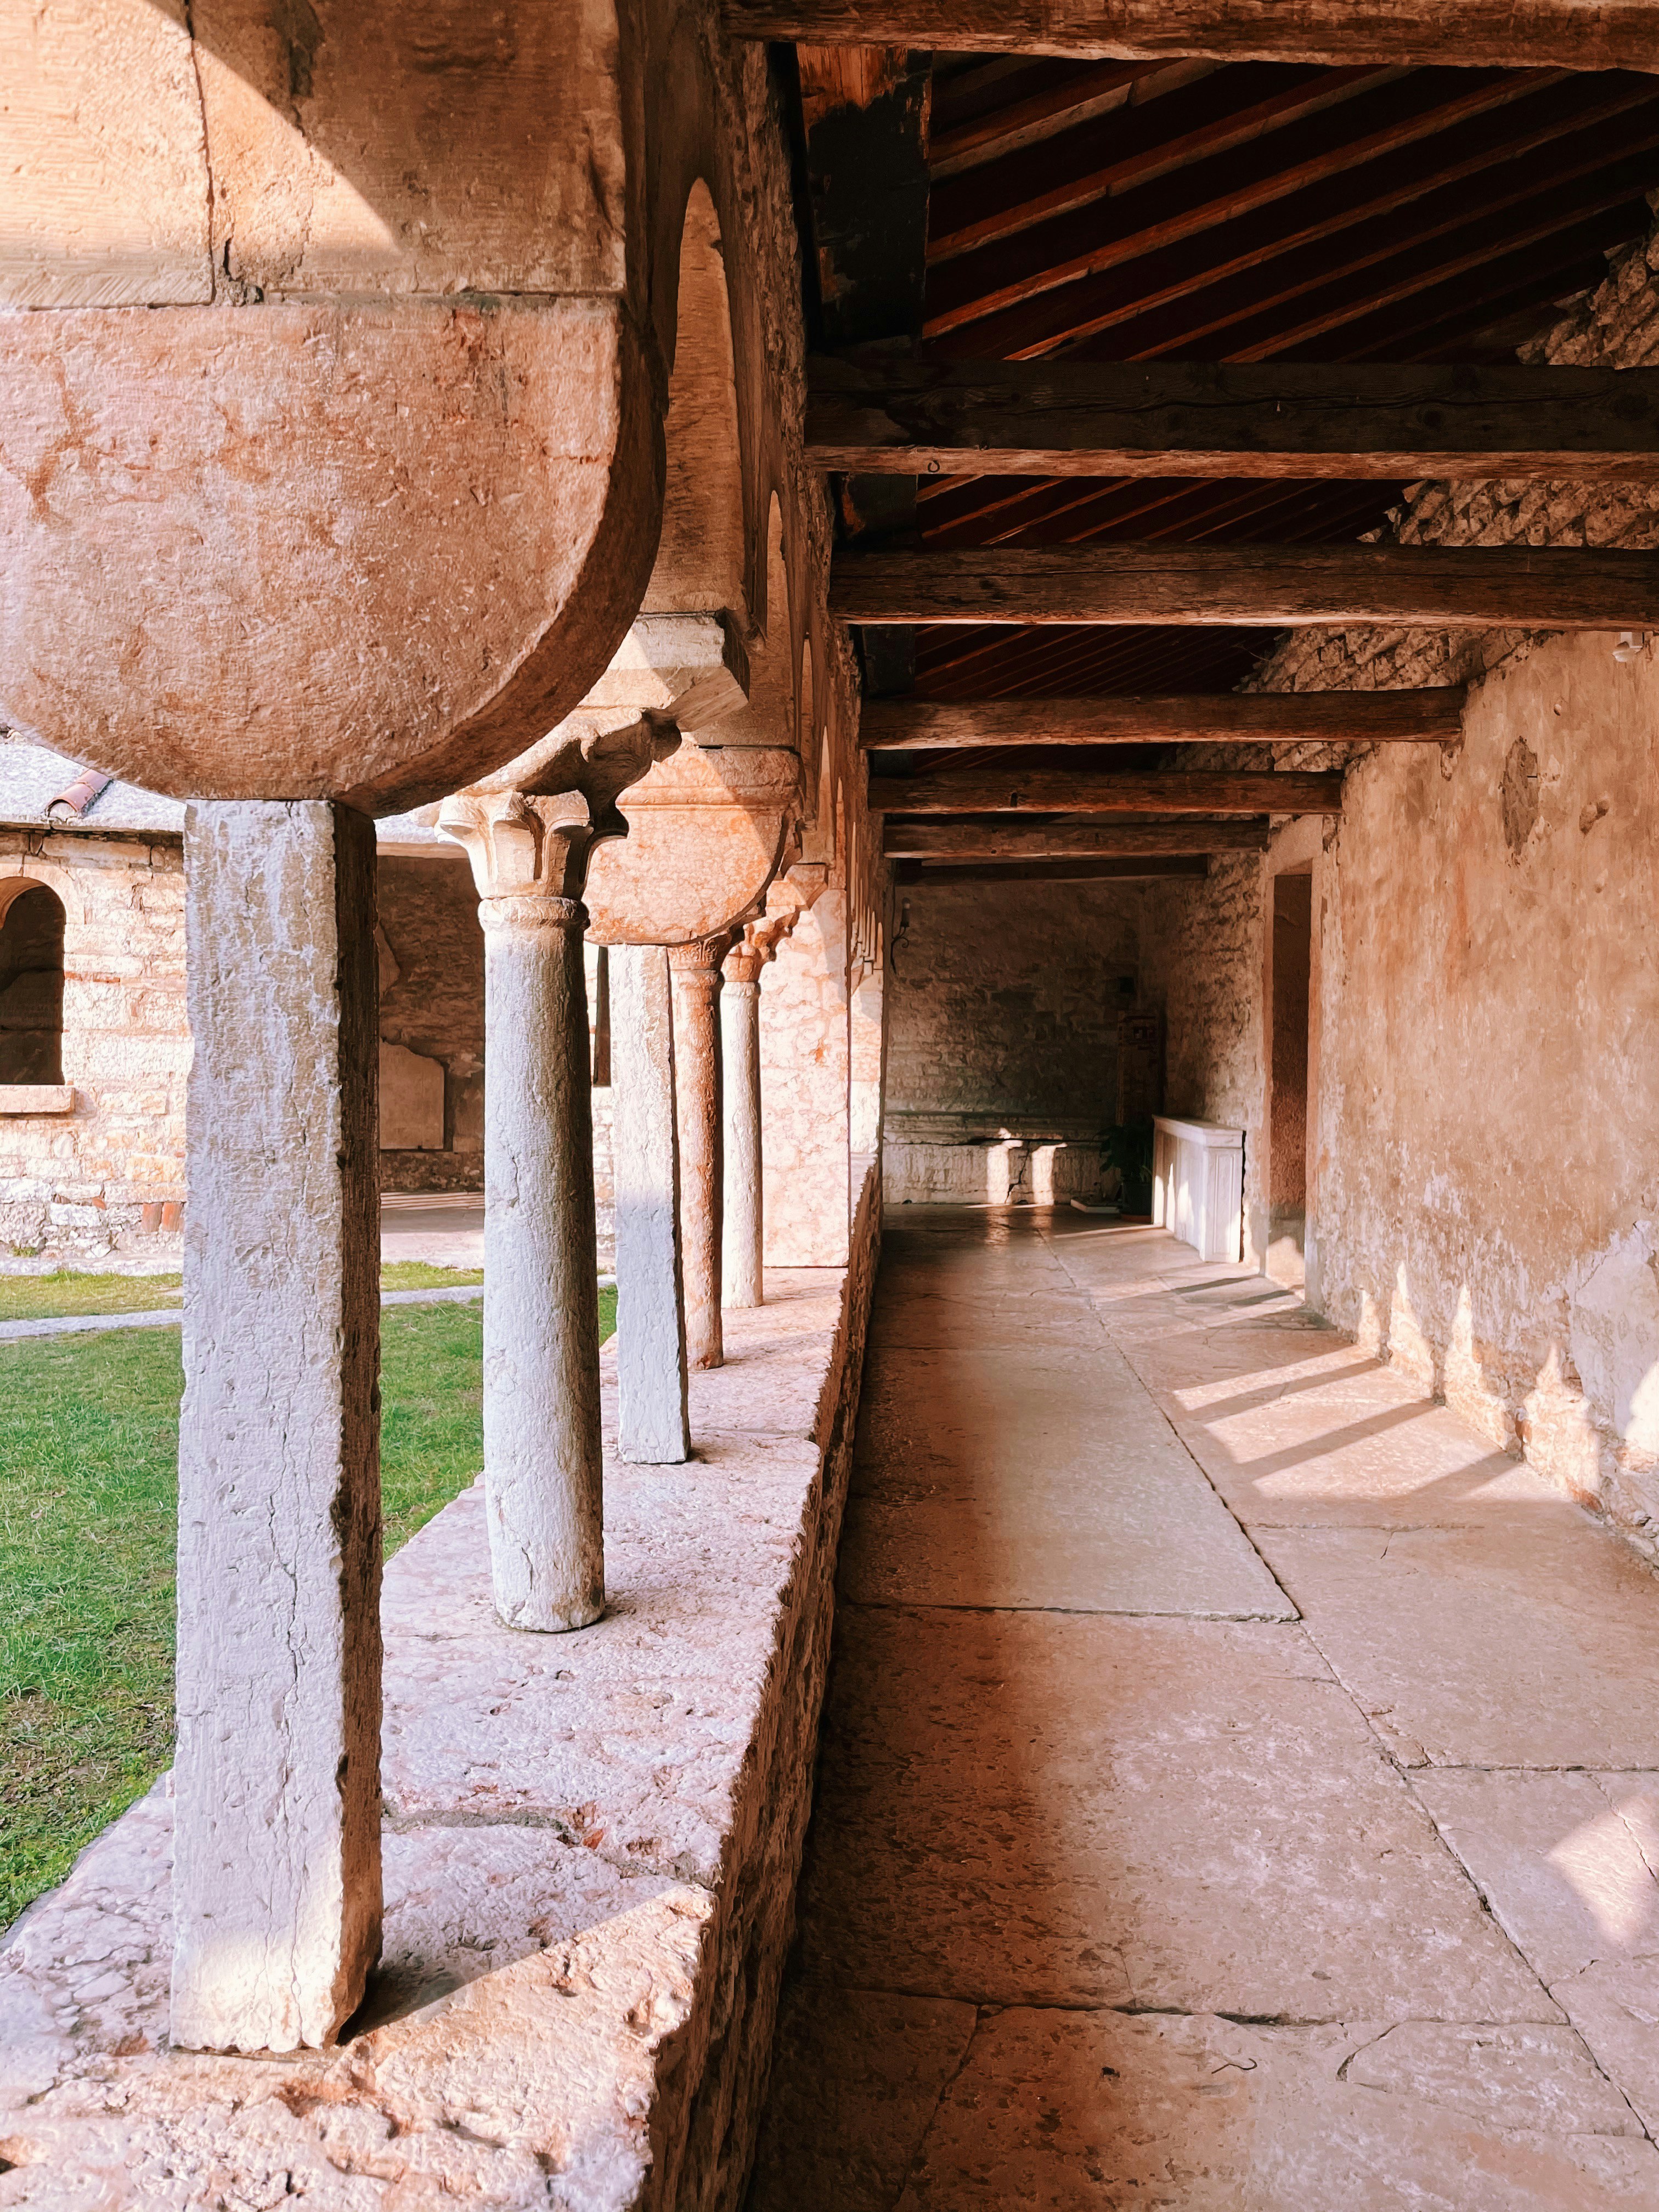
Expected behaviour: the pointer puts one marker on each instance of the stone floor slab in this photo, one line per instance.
(857, 2077)
(1521, 1642)
(1071, 2110)
(1566, 1863)
(1023, 1808)
(1040, 1479)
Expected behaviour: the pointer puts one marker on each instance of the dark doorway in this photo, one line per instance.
(32, 988)
(1287, 1194)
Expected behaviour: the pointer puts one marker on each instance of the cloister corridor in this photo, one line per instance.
(1239, 1784)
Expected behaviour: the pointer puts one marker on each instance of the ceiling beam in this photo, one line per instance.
(1201, 419)
(1302, 718)
(1065, 791)
(1138, 868)
(1270, 587)
(992, 839)
(1574, 35)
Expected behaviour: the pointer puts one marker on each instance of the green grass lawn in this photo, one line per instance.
(88, 1444)
(44, 1297)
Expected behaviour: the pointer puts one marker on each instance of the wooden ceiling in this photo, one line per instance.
(1252, 211)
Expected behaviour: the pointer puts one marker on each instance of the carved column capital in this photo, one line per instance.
(530, 830)
(700, 960)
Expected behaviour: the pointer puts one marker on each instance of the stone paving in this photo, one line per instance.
(1240, 1784)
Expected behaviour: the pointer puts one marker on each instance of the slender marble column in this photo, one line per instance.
(696, 979)
(653, 1426)
(543, 1463)
(277, 1789)
(543, 1457)
(742, 1230)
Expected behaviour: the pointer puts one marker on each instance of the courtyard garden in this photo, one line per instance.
(88, 1494)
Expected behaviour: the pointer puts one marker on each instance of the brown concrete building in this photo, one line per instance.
(1067, 597)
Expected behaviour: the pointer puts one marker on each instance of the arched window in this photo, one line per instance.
(32, 986)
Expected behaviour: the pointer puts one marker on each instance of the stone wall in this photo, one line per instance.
(432, 1006)
(1002, 1004)
(106, 1179)
(1484, 1195)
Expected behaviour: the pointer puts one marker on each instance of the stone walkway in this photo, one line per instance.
(1240, 1784)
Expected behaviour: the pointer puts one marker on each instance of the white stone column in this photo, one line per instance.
(544, 1459)
(654, 1425)
(742, 1229)
(277, 1796)
(696, 972)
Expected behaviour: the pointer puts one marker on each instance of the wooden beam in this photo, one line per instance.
(1141, 868)
(992, 839)
(1064, 791)
(1202, 419)
(1268, 586)
(1299, 718)
(1574, 35)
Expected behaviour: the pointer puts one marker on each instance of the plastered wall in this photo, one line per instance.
(1485, 1164)
(1484, 1160)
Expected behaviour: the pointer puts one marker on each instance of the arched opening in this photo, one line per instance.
(700, 555)
(31, 985)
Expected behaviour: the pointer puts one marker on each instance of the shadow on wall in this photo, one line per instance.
(1587, 1416)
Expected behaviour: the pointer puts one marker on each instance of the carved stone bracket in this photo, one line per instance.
(530, 830)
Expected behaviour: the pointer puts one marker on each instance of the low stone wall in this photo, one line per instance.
(592, 1844)
(991, 1171)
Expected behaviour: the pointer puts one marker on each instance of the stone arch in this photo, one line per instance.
(700, 564)
(31, 983)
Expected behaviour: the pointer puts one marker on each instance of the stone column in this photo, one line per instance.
(653, 1426)
(543, 1452)
(276, 1795)
(696, 983)
(742, 1281)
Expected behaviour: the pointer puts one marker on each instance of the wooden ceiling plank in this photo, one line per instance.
(1341, 717)
(1276, 587)
(1357, 295)
(1062, 248)
(1058, 104)
(1020, 789)
(1394, 331)
(992, 839)
(1107, 155)
(1522, 34)
(1221, 259)
(1255, 292)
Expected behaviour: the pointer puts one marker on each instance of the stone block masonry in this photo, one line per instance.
(105, 1180)
(1003, 1006)
(591, 1848)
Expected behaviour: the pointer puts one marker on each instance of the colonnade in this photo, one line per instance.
(278, 1882)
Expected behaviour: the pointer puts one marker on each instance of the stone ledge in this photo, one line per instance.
(592, 1844)
(37, 1097)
